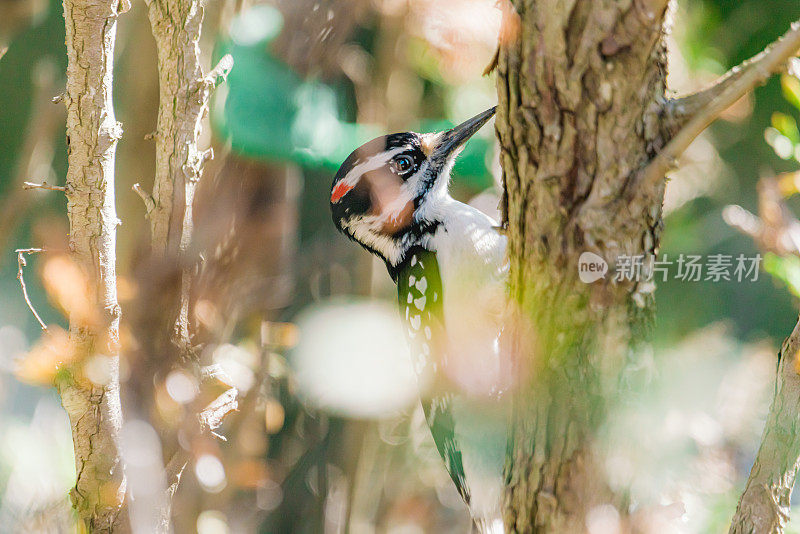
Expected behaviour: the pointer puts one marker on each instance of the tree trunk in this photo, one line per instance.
(92, 131)
(586, 137)
(580, 88)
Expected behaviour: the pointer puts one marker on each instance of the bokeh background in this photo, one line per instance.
(329, 438)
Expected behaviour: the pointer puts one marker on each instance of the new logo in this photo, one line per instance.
(591, 267)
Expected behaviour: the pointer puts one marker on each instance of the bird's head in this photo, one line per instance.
(386, 192)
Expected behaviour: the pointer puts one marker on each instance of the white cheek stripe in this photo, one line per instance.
(367, 229)
(395, 208)
(370, 164)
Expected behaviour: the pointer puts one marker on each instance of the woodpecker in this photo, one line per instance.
(448, 260)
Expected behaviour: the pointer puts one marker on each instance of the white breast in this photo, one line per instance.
(471, 256)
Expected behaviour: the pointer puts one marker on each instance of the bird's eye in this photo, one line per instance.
(402, 164)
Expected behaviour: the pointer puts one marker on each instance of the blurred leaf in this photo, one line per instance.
(279, 335)
(781, 144)
(787, 126)
(791, 90)
(250, 473)
(789, 183)
(785, 269)
(52, 352)
(274, 415)
(423, 61)
(68, 286)
(270, 113)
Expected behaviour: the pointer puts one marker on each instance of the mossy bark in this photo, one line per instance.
(580, 88)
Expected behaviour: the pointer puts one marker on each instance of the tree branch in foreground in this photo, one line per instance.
(149, 203)
(94, 409)
(208, 420)
(43, 185)
(687, 117)
(764, 504)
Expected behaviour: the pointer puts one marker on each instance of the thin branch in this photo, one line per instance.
(174, 470)
(249, 400)
(735, 83)
(220, 72)
(183, 105)
(215, 372)
(149, 203)
(21, 263)
(679, 111)
(3, 50)
(43, 185)
(209, 419)
(179, 165)
(212, 415)
(696, 112)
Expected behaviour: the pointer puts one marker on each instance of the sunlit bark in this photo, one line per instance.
(93, 132)
(586, 137)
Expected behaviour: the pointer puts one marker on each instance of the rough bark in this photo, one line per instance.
(93, 131)
(764, 505)
(574, 126)
(586, 137)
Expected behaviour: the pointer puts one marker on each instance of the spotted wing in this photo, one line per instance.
(419, 287)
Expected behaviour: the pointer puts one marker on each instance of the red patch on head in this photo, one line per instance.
(339, 191)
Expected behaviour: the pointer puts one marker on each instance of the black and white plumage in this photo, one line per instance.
(447, 258)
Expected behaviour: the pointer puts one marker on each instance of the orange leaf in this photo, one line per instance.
(52, 352)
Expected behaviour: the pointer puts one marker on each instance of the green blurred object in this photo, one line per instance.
(784, 268)
(270, 113)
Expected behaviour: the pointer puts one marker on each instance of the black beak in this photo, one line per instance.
(452, 140)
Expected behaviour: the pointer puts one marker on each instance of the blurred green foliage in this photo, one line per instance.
(271, 113)
(717, 35)
(786, 269)
(41, 46)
